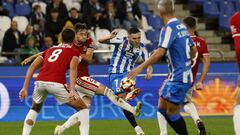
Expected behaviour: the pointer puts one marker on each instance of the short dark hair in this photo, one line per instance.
(68, 35)
(73, 8)
(80, 26)
(54, 10)
(190, 22)
(133, 31)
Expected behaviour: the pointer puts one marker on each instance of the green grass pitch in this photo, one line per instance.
(214, 125)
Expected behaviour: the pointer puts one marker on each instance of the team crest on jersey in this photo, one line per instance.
(129, 53)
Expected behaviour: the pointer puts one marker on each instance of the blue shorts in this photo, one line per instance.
(114, 80)
(174, 92)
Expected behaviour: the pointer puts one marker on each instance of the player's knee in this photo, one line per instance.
(29, 122)
(36, 107)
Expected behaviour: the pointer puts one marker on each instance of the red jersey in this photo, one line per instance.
(56, 61)
(202, 50)
(235, 28)
(83, 65)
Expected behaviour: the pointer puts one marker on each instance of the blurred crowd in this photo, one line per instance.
(47, 22)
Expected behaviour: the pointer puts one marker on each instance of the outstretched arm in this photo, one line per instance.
(159, 53)
(29, 59)
(35, 65)
(107, 38)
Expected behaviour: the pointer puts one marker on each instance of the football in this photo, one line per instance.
(127, 84)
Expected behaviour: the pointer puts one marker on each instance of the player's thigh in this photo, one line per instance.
(88, 86)
(162, 103)
(172, 108)
(39, 92)
(59, 91)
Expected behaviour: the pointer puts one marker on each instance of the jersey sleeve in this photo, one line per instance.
(166, 37)
(144, 54)
(116, 41)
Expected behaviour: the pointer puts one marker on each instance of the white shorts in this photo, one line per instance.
(42, 89)
(188, 97)
(86, 86)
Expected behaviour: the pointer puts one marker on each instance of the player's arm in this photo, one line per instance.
(159, 53)
(35, 65)
(73, 75)
(88, 56)
(107, 39)
(29, 59)
(205, 68)
(73, 72)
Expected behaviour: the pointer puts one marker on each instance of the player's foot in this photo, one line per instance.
(57, 130)
(139, 130)
(134, 93)
(138, 108)
(201, 127)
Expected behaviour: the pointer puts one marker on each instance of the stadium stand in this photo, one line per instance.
(212, 16)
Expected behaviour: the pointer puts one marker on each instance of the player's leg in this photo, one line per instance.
(81, 117)
(162, 122)
(103, 90)
(39, 95)
(174, 94)
(61, 95)
(190, 108)
(236, 113)
(115, 80)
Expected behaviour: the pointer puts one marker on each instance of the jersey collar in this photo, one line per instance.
(172, 20)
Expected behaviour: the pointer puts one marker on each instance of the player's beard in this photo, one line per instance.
(80, 43)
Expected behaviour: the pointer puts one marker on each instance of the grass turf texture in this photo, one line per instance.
(214, 125)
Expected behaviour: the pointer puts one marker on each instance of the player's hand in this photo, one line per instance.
(73, 95)
(132, 74)
(23, 94)
(26, 61)
(199, 86)
(114, 34)
(148, 76)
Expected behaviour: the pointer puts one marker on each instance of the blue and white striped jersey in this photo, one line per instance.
(125, 55)
(175, 38)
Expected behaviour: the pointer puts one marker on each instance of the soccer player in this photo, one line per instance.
(54, 63)
(203, 56)
(235, 28)
(125, 55)
(179, 48)
(87, 87)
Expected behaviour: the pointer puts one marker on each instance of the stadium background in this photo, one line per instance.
(214, 102)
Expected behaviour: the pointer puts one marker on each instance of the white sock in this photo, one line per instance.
(83, 117)
(32, 115)
(191, 109)
(162, 124)
(236, 119)
(119, 101)
(70, 122)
